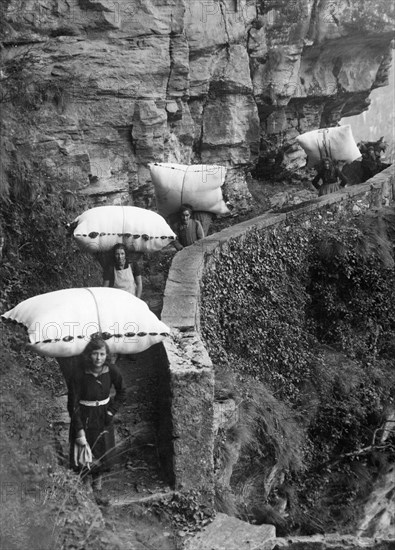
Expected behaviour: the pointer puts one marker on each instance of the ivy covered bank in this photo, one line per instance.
(297, 314)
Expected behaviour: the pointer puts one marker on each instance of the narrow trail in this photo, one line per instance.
(137, 481)
(138, 474)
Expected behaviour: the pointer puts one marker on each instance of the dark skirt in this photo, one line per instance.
(328, 188)
(99, 432)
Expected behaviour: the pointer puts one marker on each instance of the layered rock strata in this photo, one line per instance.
(98, 89)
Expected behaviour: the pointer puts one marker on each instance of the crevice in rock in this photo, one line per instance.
(222, 7)
(311, 31)
(171, 58)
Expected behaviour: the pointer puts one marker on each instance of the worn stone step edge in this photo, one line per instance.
(136, 500)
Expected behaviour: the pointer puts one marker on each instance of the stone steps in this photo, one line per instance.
(333, 542)
(127, 500)
(229, 533)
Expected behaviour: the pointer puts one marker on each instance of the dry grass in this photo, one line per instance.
(265, 442)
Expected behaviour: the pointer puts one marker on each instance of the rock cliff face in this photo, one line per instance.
(378, 120)
(111, 85)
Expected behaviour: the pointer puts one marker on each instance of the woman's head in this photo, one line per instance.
(186, 207)
(120, 255)
(96, 352)
(186, 212)
(371, 152)
(326, 164)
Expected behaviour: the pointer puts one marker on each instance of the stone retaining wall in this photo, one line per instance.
(190, 370)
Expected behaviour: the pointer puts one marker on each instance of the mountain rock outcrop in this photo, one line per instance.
(97, 89)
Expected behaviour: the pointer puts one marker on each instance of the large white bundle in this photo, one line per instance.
(100, 228)
(336, 143)
(198, 185)
(60, 323)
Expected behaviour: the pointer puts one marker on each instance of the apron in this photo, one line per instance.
(328, 188)
(124, 279)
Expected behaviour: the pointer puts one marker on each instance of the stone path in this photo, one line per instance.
(137, 475)
(228, 533)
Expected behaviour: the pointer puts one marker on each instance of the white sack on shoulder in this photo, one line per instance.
(60, 323)
(336, 143)
(198, 185)
(100, 228)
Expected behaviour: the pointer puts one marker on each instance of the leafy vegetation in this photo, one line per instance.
(43, 505)
(360, 17)
(304, 318)
(38, 256)
(183, 511)
(256, 294)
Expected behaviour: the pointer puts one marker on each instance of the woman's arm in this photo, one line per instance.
(73, 404)
(316, 180)
(120, 390)
(138, 279)
(199, 230)
(342, 177)
(139, 285)
(106, 276)
(177, 245)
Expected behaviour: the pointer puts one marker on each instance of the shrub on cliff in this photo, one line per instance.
(253, 305)
(352, 287)
(38, 256)
(272, 304)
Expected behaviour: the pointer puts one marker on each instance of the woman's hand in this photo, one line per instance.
(81, 439)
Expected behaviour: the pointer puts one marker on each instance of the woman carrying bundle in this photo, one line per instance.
(92, 411)
(187, 229)
(122, 274)
(331, 177)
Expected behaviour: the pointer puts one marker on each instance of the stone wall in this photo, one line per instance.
(192, 401)
(194, 417)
